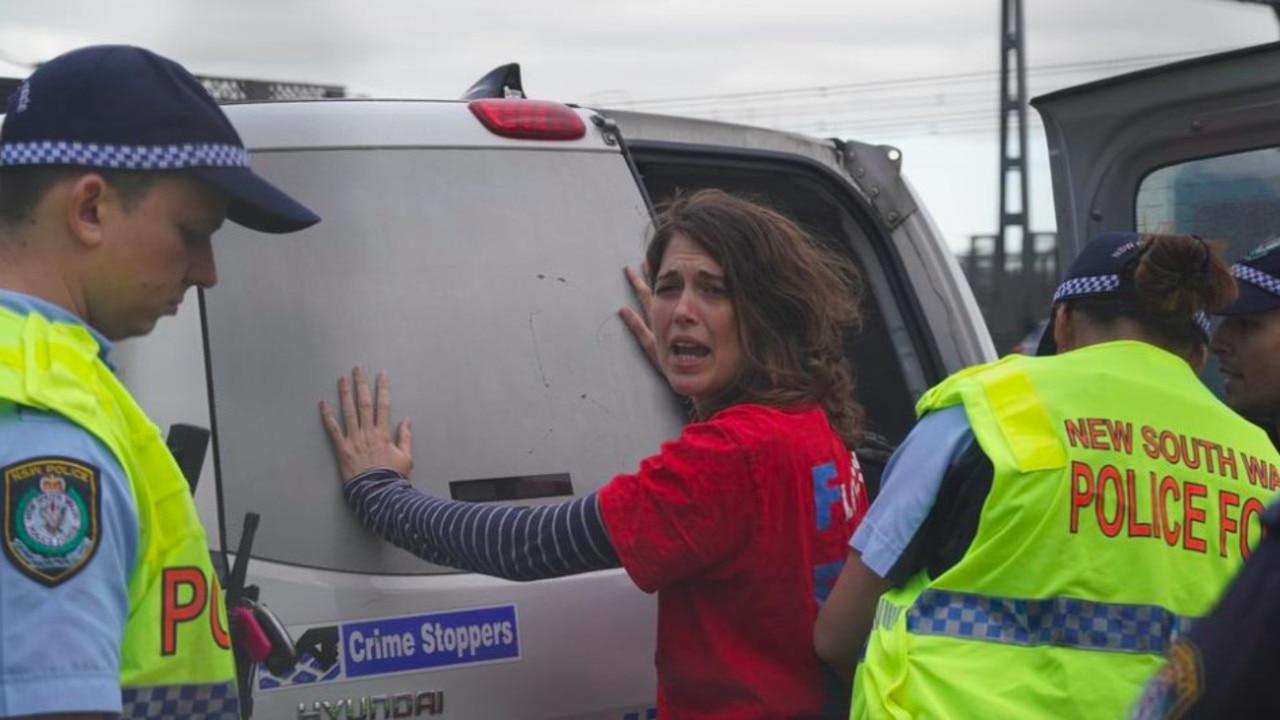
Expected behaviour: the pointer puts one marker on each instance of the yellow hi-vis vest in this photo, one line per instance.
(176, 660)
(1124, 496)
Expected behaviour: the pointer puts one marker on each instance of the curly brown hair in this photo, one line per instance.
(794, 301)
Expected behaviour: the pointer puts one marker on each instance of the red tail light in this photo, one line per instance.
(529, 119)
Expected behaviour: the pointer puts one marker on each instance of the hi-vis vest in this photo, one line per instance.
(176, 661)
(1123, 499)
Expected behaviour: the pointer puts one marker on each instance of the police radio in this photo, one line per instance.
(258, 636)
(188, 444)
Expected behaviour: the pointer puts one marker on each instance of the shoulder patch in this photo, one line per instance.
(1178, 684)
(51, 516)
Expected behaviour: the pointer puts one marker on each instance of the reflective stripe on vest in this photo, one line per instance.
(175, 659)
(181, 702)
(1065, 622)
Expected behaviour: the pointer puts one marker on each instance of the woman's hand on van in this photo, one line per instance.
(639, 323)
(367, 440)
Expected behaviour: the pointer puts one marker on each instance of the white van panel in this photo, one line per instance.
(585, 642)
(498, 327)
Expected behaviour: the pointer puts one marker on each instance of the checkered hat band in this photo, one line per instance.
(123, 157)
(1202, 322)
(1064, 622)
(1254, 276)
(1098, 284)
(215, 701)
(1092, 285)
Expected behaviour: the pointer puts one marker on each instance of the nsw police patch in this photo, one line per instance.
(51, 517)
(1175, 688)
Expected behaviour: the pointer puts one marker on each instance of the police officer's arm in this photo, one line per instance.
(70, 546)
(844, 622)
(898, 537)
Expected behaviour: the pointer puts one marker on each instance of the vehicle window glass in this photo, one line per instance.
(486, 281)
(1231, 198)
(1234, 198)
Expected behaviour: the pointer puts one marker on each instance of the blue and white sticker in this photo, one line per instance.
(409, 643)
(379, 647)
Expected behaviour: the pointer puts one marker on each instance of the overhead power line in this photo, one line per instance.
(926, 105)
(943, 80)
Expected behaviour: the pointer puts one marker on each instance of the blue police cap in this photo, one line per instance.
(118, 107)
(1258, 276)
(1103, 268)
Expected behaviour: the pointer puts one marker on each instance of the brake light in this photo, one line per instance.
(528, 119)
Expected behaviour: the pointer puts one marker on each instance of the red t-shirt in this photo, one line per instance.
(741, 526)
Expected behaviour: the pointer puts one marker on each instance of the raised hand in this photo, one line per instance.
(364, 440)
(639, 323)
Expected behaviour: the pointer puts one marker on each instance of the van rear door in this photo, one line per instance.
(1185, 147)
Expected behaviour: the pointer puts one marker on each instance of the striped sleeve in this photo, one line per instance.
(516, 543)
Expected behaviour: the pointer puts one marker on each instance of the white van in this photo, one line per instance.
(475, 250)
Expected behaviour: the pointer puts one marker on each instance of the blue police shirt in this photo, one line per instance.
(910, 485)
(63, 590)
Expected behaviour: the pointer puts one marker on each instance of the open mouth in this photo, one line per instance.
(686, 351)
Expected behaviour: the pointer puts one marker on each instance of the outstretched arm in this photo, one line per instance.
(517, 543)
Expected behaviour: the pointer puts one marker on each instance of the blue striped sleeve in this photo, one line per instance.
(516, 543)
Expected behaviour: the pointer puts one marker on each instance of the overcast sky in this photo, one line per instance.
(921, 75)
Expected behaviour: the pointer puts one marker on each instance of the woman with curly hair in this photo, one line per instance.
(740, 523)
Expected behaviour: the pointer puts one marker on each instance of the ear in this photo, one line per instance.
(1062, 334)
(86, 208)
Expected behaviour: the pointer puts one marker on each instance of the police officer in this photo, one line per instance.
(1247, 342)
(1225, 667)
(116, 168)
(1052, 523)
